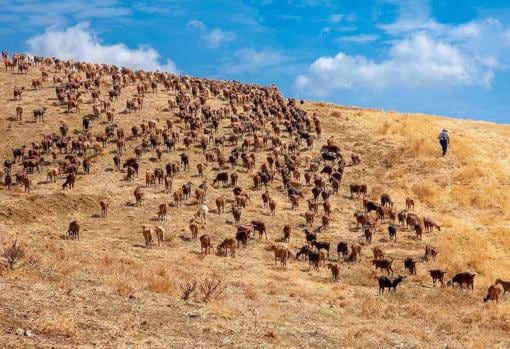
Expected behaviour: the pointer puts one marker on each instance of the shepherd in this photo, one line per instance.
(444, 140)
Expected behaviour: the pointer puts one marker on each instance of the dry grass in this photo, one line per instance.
(107, 290)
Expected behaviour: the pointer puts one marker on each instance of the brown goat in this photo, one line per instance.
(378, 252)
(227, 245)
(163, 212)
(335, 271)
(493, 293)
(504, 284)
(147, 236)
(205, 244)
(287, 232)
(383, 264)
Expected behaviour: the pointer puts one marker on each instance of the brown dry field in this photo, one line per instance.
(107, 291)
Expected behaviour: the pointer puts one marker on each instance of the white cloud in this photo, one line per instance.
(196, 24)
(248, 61)
(361, 38)
(217, 37)
(79, 43)
(336, 18)
(420, 53)
(214, 38)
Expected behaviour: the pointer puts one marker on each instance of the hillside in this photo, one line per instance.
(107, 290)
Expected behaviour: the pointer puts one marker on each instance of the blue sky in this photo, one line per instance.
(443, 57)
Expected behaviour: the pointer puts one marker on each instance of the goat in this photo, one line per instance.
(335, 271)
(389, 282)
(461, 279)
(410, 264)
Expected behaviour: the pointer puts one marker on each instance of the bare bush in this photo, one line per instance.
(187, 289)
(15, 256)
(210, 289)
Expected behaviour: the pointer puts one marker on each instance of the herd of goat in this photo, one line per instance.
(265, 129)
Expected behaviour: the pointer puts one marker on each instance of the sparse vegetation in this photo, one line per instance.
(107, 290)
(211, 290)
(187, 289)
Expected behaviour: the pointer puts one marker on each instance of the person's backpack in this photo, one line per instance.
(443, 136)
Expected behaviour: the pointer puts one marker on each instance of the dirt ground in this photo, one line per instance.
(106, 290)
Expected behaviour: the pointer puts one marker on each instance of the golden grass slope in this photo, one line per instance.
(107, 291)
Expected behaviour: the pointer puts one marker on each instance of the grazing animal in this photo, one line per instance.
(412, 219)
(419, 231)
(272, 206)
(321, 245)
(402, 217)
(19, 113)
(74, 230)
(260, 227)
(389, 282)
(430, 224)
(105, 204)
(313, 260)
(160, 234)
(386, 200)
(281, 253)
(430, 252)
(355, 253)
(383, 264)
(138, 193)
(437, 274)
(369, 232)
(461, 279)
(504, 284)
(335, 271)
(221, 177)
(70, 180)
(378, 252)
(392, 231)
(147, 236)
(193, 227)
(163, 212)
(358, 189)
(202, 213)
(410, 264)
(242, 237)
(493, 293)
(342, 249)
(220, 204)
(287, 232)
(205, 244)
(227, 245)
(409, 204)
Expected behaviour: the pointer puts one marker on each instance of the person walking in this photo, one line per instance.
(444, 140)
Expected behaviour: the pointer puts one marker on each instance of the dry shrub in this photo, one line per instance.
(250, 293)
(187, 289)
(383, 127)
(211, 290)
(469, 173)
(416, 145)
(485, 197)
(158, 284)
(106, 260)
(392, 158)
(53, 324)
(425, 192)
(15, 256)
(123, 288)
(336, 114)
